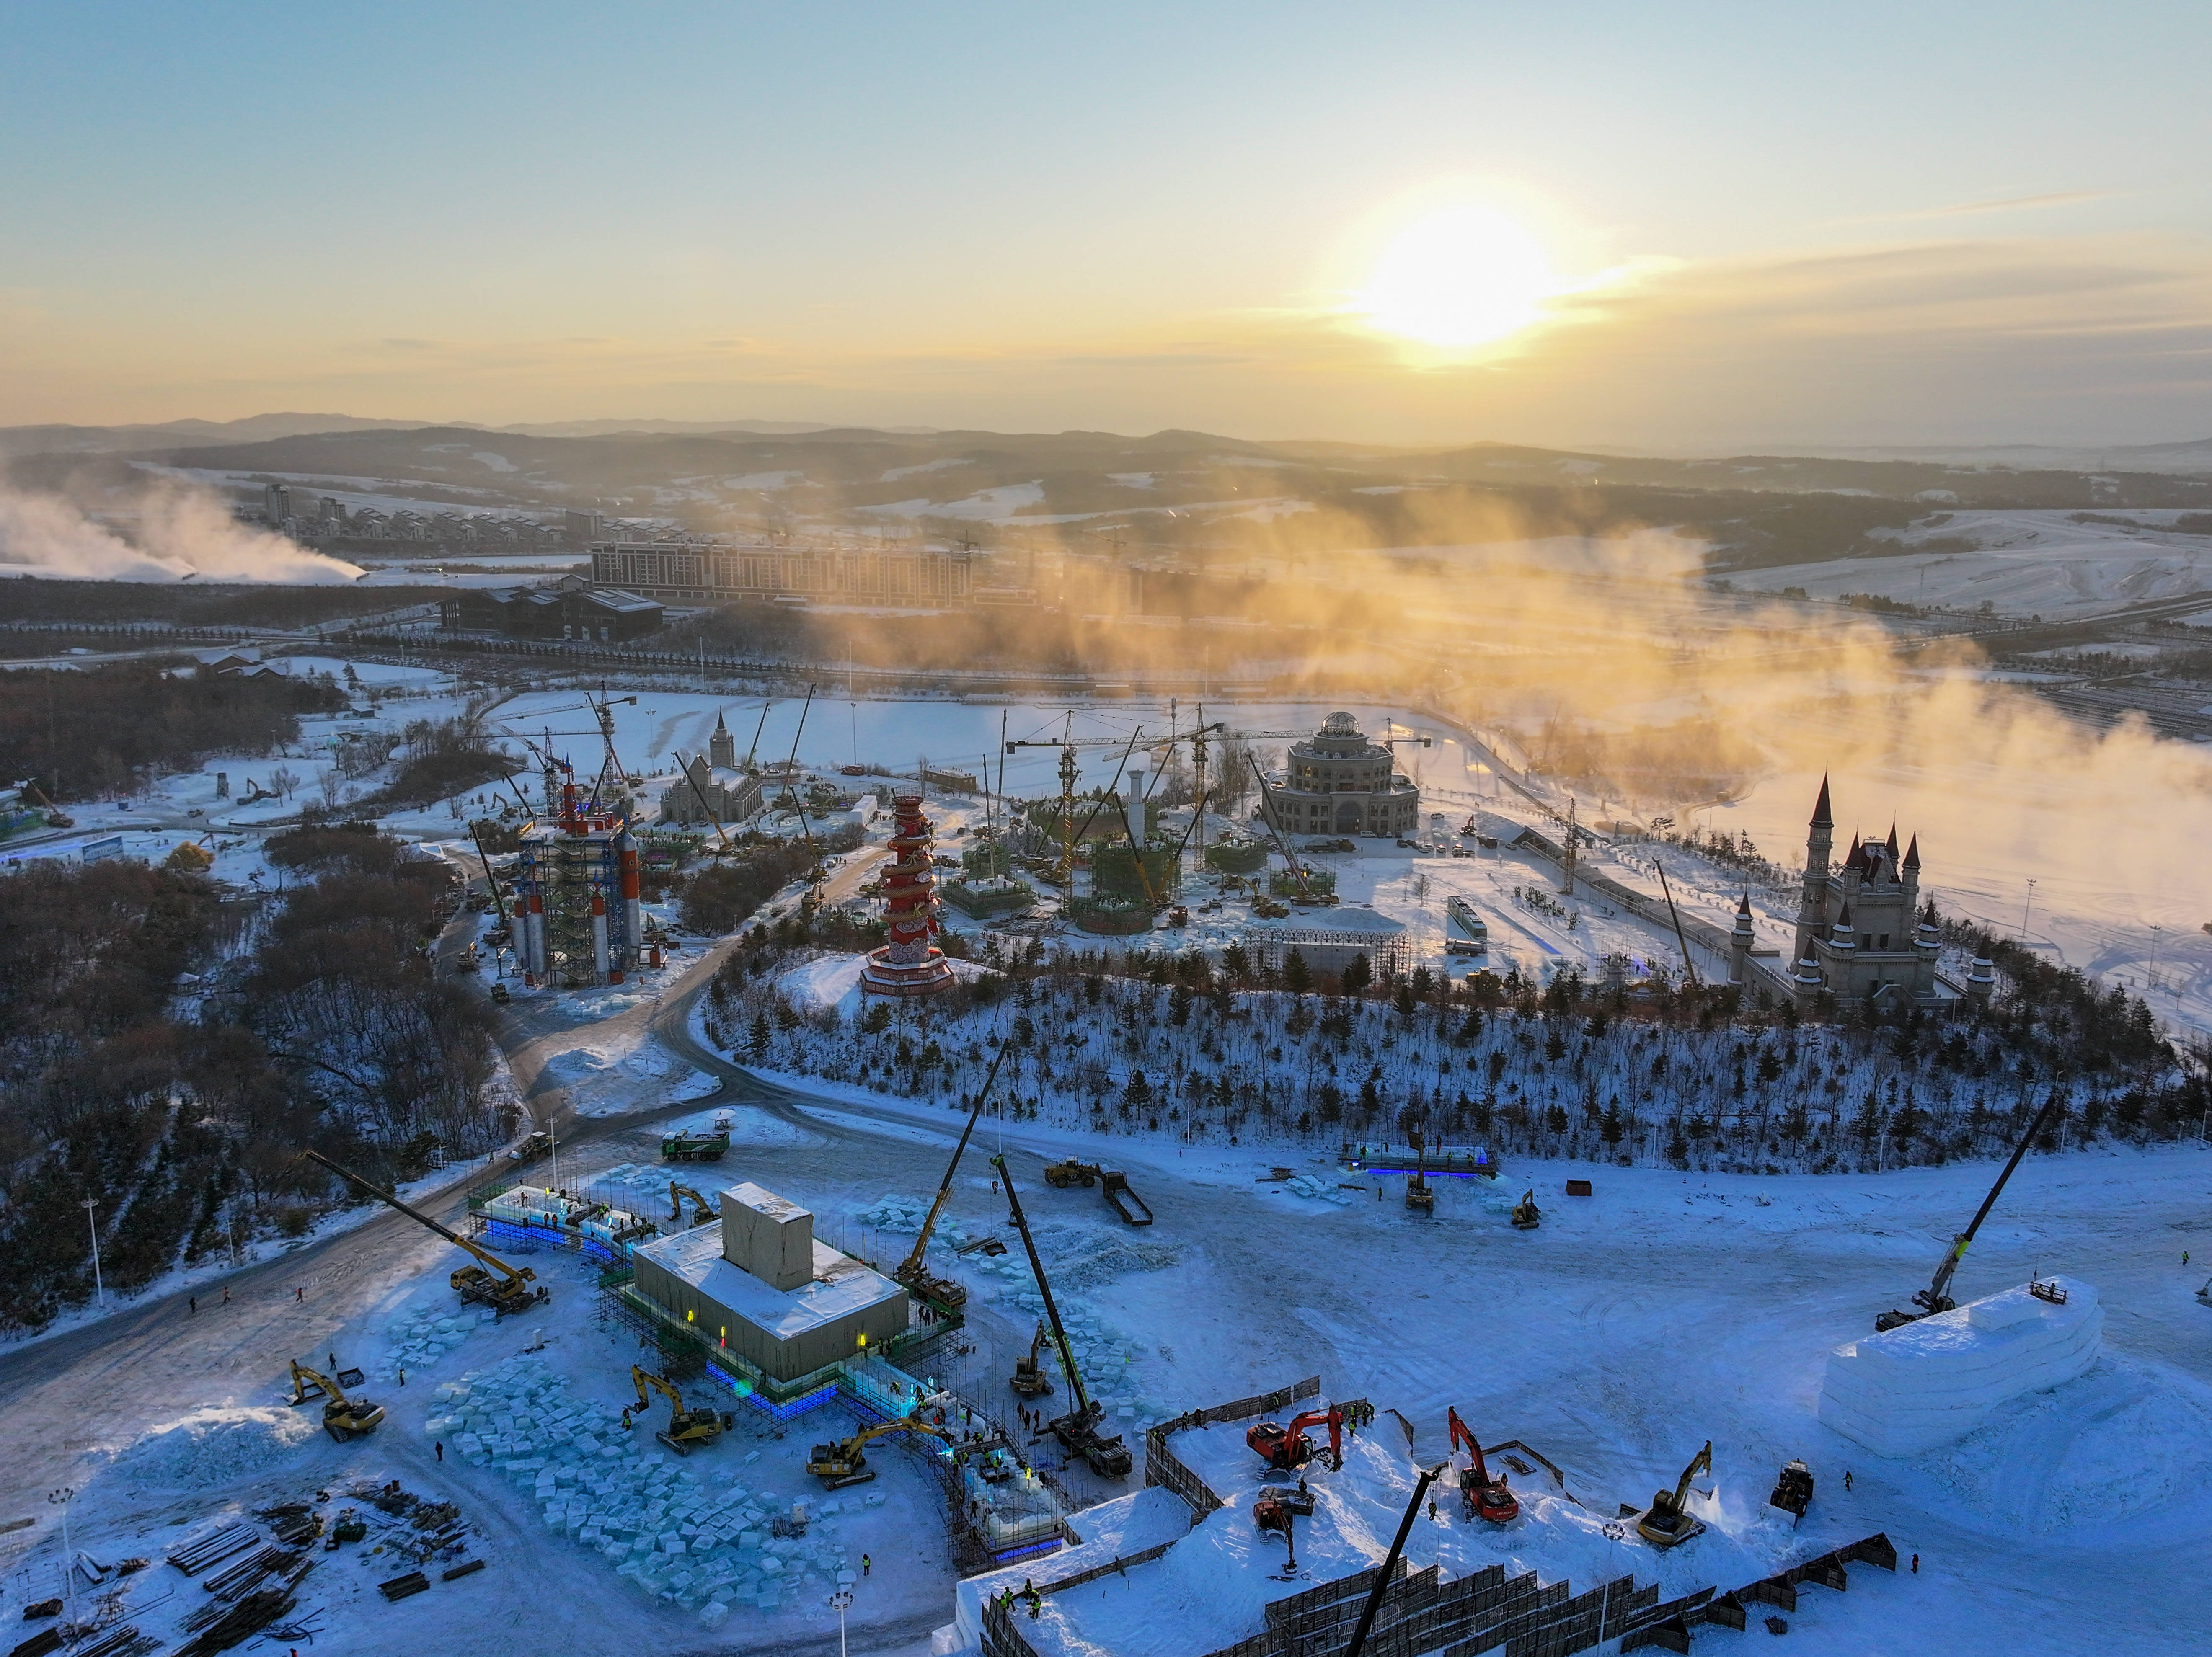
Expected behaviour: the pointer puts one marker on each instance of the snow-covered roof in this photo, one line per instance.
(841, 1285)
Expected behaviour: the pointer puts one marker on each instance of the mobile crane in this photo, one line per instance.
(1936, 1297)
(344, 1417)
(1286, 1450)
(1665, 1524)
(1076, 1430)
(686, 1427)
(506, 1293)
(914, 1271)
(1480, 1496)
(845, 1462)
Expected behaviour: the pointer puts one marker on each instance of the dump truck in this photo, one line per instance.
(680, 1147)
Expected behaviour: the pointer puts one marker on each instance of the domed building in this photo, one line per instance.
(1338, 782)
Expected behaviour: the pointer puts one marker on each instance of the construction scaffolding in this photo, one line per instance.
(579, 914)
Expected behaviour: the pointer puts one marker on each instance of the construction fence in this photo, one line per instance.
(1162, 1467)
(1419, 1614)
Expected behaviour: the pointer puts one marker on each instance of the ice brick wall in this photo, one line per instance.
(1936, 1380)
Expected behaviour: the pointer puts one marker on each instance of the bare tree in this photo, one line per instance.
(284, 781)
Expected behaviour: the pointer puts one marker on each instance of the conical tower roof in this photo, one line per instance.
(1821, 816)
(1913, 853)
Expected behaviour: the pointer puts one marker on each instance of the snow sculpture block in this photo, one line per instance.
(1932, 1381)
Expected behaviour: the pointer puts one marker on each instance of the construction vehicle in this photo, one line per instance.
(1076, 1430)
(1476, 940)
(492, 1281)
(1276, 1508)
(1030, 1379)
(1286, 1449)
(1526, 1216)
(680, 1147)
(344, 1417)
(501, 993)
(1480, 1496)
(1420, 1197)
(989, 1248)
(56, 817)
(1665, 1523)
(1793, 1490)
(1936, 1297)
(846, 1462)
(686, 1427)
(703, 1209)
(914, 1271)
(537, 1145)
(1120, 1195)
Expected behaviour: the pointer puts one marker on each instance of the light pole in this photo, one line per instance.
(842, 1600)
(99, 1289)
(2027, 904)
(61, 1498)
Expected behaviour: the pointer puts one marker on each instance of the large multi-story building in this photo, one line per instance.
(714, 571)
(1339, 783)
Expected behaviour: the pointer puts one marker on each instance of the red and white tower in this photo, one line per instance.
(909, 964)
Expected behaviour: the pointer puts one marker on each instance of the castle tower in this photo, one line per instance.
(723, 747)
(909, 964)
(1813, 914)
(1740, 943)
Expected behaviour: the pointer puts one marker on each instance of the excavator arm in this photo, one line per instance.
(1051, 1309)
(648, 1383)
(1700, 1463)
(910, 1268)
(515, 1278)
(1463, 1439)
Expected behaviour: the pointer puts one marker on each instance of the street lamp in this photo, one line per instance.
(61, 1498)
(841, 1601)
(98, 1288)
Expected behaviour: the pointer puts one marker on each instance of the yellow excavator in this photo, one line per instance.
(845, 1463)
(1664, 1523)
(344, 1417)
(1526, 1216)
(1031, 1379)
(677, 1193)
(686, 1427)
(506, 1294)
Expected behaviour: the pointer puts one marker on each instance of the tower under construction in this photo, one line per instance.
(909, 964)
(579, 918)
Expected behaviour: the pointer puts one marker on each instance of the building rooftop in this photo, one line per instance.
(841, 1285)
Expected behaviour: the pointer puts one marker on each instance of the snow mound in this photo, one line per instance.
(2118, 1443)
(1934, 1380)
(1327, 1190)
(213, 1447)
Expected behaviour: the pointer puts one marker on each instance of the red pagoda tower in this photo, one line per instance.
(909, 964)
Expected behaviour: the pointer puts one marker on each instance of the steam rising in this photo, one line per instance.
(181, 533)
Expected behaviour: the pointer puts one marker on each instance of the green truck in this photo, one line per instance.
(695, 1147)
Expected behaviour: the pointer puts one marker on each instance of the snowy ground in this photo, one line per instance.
(2022, 562)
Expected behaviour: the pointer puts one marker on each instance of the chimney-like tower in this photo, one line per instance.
(1812, 914)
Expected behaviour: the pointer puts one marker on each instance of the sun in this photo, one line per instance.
(1462, 277)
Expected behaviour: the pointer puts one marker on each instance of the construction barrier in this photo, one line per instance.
(1162, 1467)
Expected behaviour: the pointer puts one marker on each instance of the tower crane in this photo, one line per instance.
(1076, 1430)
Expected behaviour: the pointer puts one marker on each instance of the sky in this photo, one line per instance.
(1668, 229)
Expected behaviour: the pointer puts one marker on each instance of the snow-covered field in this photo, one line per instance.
(2022, 563)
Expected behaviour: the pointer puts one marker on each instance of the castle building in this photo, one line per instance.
(712, 789)
(1339, 783)
(1862, 935)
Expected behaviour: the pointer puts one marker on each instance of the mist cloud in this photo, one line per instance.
(181, 533)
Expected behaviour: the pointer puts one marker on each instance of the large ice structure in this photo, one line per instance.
(1936, 1380)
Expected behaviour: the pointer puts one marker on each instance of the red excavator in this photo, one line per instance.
(1480, 1496)
(1286, 1450)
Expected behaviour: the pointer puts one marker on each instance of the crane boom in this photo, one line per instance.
(513, 1278)
(910, 1269)
(1052, 1310)
(1936, 1297)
